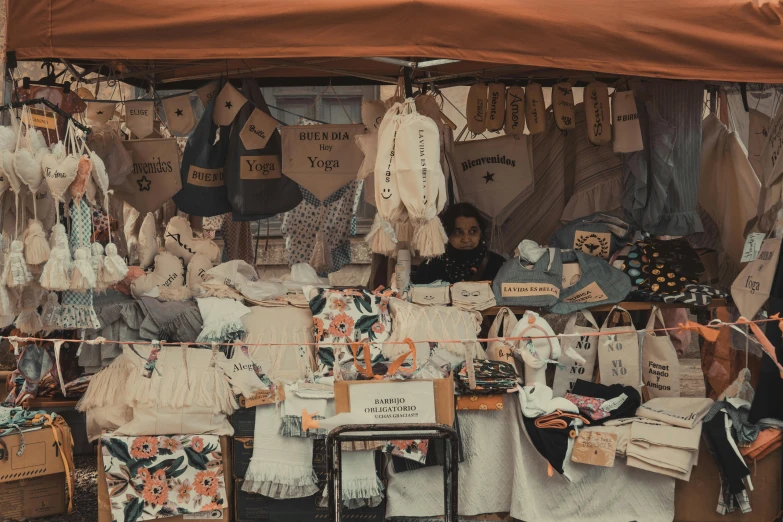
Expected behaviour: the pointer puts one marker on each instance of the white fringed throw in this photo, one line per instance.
(361, 485)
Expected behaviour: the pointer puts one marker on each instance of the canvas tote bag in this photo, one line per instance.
(203, 181)
(503, 325)
(599, 284)
(751, 288)
(619, 353)
(539, 285)
(255, 183)
(569, 371)
(155, 177)
(660, 365)
(321, 158)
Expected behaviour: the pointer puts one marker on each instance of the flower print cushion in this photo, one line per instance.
(342, 316)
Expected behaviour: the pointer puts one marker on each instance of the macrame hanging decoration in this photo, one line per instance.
(56, 272)
(97, 260)
(421, 182)
(16, 273)
(82, 274)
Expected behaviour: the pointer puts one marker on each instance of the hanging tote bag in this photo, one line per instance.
(751, 288)
(420, 179)
(599, 235)
(570, 370)
(539, 285)
(255, 183)
(599, 284)
(660, 365)
(503, 325)
(619, 353)
(203, 182)
(155, 177)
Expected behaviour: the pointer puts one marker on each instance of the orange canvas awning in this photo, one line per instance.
(728, 40)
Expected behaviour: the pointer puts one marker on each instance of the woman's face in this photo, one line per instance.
(466, 234)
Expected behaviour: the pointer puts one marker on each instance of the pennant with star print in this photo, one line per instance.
(227, 105)
(139, 117)
(155, 177)
(207, 92)
(179, 114)
(99, 111)
(495, 175)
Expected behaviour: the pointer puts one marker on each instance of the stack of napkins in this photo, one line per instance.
(473, 296)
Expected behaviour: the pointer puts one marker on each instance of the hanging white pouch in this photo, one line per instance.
(627, 133)
(619, 352)
(585, 345)
(660, 365)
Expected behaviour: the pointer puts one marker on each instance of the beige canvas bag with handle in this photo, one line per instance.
(584, 345)
(619, 353)
(660, 365)
(501, 351)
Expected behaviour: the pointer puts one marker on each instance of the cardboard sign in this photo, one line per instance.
(595, 448)
(179, 114)
(751, 288)
(514, 122)
(41, 455)
(321, 158)
(752, 247)
(41, 119)
(155, 177)
(257, 130)
(139, 117)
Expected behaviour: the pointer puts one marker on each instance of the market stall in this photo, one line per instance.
(543, 262)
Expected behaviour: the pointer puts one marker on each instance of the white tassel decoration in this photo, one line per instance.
(56, 272)
(15, 272)
(5, 302)
(36, 248)
(58, 231)
(97, 260)
(82, 275)
(114, 267)
(29, 321)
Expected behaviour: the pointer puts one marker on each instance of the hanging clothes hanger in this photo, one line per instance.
(51, 106)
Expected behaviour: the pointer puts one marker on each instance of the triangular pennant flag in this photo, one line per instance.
(99, 111)
(179, 114)
(207, 92)
(138, 117)
(257, 130)
(227, 105)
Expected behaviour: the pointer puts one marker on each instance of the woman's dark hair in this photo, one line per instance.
(449, 217)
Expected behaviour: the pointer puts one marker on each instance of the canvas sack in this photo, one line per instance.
(660, 364)
(751, 288)
(321, 158)
(599, 284)
(496, 106)
(567, 373)
(619, 354)
(599, 121)
(626, 130)
(539, 285)
(155, 177)
(535, 108)
(495, 175)
(203, 178)
(514, 122)
(255, 183)
(476, 110)
(139, 117)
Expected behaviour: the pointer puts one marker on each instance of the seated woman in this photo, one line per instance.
(467, 257)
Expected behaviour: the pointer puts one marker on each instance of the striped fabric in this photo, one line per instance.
(596, 171)
(539, 217)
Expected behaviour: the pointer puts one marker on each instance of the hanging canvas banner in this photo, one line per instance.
(179, 114)
(496, 111)
(599, 123)
(321, 158)
(155, 177)
(139, 117)
(563, 105)
(207, 92)
(99, 111)
(257, 130)
(227, 105)
(495, 175)
(372, 114)
(752, 287)
(476, 110)
(514, 122)
(627, 132)
(535, 108)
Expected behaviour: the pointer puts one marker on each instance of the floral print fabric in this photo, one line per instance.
(343, 316)
(157, 477)
(589, 406)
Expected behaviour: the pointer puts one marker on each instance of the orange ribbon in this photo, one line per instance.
(708, 333)
(763, 341)
(394, 367)
(555, 420)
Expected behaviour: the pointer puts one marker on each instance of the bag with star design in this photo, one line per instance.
(203, 182)
(155, 175)
(256, 186)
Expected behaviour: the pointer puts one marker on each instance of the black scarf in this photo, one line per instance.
(463, 265)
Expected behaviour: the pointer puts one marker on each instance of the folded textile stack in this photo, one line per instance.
(473, 296)
(665, 435)
(490, 377)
